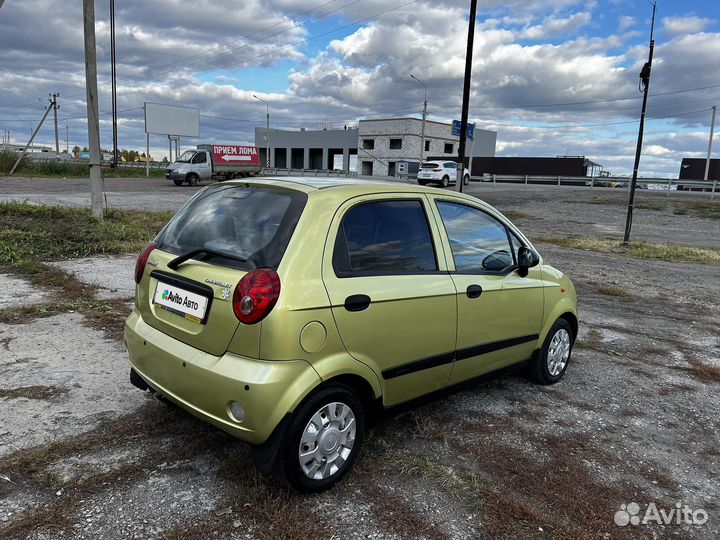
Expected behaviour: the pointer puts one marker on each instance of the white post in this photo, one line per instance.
(92, 109)
(147, 155)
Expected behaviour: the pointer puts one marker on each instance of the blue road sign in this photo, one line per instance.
(456, 129)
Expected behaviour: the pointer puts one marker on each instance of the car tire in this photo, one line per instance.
(421, 182)
(177, 182)
(549, 364)
(445, 181)
(193, 179)
(466, 180)
(311, 427)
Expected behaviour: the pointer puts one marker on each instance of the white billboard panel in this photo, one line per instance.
(172, 120)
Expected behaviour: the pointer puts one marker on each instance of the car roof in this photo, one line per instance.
(350, 185)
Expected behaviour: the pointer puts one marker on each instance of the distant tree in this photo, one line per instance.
(85, 149)
(75, 149)
(164, 159)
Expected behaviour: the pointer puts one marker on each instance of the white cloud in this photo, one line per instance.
(553, 26)
(682, 26)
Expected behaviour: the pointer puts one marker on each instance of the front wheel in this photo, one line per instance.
(193, 179)
(177, 182)
(323, 439)
(550, 363)
(445, 181)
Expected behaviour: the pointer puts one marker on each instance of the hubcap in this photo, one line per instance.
(327, 441)
(558, 352)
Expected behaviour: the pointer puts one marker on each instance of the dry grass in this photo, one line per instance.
(644, 250)
(516, 215)
(32, 392)
(591, 341)
(614, 291)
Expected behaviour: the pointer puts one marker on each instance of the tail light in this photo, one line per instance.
(437, 170)
(255, 295)
(142, 261)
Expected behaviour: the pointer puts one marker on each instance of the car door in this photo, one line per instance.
(499, 312)
(392, 298)
(202, 165)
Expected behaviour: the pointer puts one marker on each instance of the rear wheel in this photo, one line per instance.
(466, 179)
(422, 182)
(550, 363)
(323, 439)
(445, 181)
(193, 179)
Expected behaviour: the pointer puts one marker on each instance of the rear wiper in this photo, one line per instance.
(209, 253)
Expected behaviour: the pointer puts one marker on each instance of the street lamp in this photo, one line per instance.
(267, 131)
(422, 136)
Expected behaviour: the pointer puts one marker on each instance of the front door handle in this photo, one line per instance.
(357, 302)
(473, 291)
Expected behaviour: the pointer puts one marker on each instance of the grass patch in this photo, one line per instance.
(701, 209)
(592, 341)
(643, 250)
(516, 215)
(31, 233)
(614, 291)
(32, 392)
(64, 169)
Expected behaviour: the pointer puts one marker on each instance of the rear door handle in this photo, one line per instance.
(473, 291)
(357, 302)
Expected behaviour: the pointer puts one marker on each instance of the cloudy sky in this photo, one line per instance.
(552, 77)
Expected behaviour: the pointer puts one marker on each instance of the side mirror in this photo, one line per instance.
(527, 258)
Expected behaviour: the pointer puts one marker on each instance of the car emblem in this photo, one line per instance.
(225, 295)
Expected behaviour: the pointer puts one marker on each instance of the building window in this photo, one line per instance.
(368, 144)
(427, 146)
(448, 148)
(395, 144)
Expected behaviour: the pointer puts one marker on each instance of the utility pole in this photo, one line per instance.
(424, 117)
(645, 81)
(67, 139)
(466, 95)
(32, 137)
(267, 131)
(92, 109)
(113, 81)
(712, 130)
(55, 108)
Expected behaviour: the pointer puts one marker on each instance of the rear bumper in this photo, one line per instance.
(205, 385)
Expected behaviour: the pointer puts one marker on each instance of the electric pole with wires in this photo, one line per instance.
(644, 86)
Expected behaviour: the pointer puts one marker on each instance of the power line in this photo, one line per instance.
(224, 53)
(221, 45)
(307, 40)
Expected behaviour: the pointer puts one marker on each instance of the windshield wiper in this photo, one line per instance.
(209, 254)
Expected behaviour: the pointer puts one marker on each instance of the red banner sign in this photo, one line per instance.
(235, 155)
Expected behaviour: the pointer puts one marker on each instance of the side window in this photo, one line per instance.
(450, 165)
(384, 237)
(478, 241)
(200, 157)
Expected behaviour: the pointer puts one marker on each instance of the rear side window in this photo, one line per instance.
(384, 237)
(478, 241)
(251, 223)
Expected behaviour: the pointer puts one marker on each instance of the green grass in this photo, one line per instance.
(514, 215)
(32, 233)
(644, 250)
(56, 169)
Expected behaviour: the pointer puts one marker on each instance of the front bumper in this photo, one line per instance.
(205, 385)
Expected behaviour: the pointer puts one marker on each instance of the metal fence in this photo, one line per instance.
(275, 171)
(661, 184)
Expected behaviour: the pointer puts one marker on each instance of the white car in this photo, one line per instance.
(442, 172)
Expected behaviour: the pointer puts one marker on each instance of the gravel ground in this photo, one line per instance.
(633, 421)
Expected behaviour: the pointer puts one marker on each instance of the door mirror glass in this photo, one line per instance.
(527, 258)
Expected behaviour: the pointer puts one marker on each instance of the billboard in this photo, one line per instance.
(229, 154)
(172, 120)
(456, 129)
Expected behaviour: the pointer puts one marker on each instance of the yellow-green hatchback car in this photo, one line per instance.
(284, 311)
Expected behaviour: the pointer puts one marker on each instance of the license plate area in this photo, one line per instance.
(188, 300)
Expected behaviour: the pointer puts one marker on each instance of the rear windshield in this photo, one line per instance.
(251, 223)
(429, 165)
